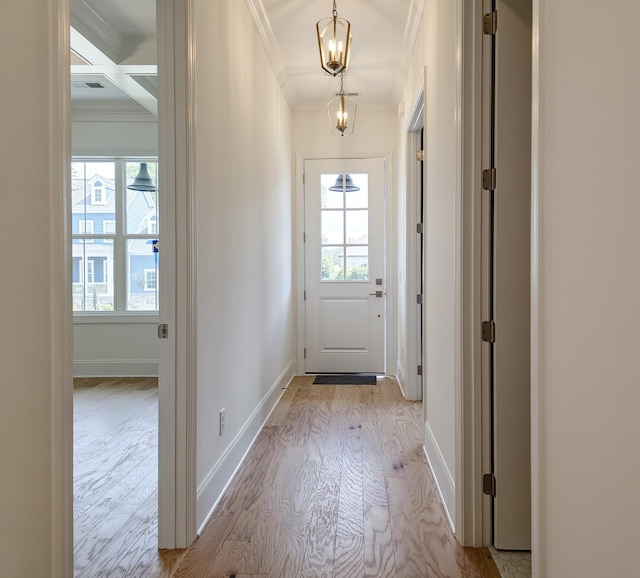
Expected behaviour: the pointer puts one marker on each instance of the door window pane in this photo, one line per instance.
(330, 199)
(332, 227)
(344, 227)
(357, 263)
(358, 199)
(357, 227)
(332, 263)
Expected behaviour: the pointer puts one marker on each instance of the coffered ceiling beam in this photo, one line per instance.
(118, 74)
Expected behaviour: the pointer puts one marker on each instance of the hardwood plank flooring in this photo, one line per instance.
(115, 480)
(336, 486)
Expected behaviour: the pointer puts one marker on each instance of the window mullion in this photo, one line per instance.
(119, 249)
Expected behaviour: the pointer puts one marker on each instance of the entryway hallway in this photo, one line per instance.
(336, 484)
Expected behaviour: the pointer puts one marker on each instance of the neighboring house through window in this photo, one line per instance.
(114, 237)
(97, 193)
(150, 279)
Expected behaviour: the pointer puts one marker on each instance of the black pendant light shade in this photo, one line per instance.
(344, 182)
(143, 181)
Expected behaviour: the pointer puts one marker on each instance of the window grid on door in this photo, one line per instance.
(344, 226)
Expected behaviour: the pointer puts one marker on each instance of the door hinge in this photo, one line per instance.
(419, 299)
(305, 353)
(489, 331)
(304, 237)
(419, 369)
(489, 177)
(303, 176)
(420, 228)
(420, 155)
(163, 331)
(304, 295)
(490, 23)
(489, 485)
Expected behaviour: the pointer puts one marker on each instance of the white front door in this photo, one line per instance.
(344, 265)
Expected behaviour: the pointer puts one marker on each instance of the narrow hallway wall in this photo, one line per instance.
(244, 241)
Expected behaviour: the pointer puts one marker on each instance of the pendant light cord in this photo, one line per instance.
(335, 9)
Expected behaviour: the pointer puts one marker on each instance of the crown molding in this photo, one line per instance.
(110, 111)
(411, 30)
(263, 26)
(97, 30)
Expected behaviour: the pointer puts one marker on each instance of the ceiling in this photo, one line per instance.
(113, 44)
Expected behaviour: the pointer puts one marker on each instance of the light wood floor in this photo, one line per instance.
(336, 485)
(116, 479)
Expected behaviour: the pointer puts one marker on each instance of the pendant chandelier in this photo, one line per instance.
(342, 113)
(334, 42)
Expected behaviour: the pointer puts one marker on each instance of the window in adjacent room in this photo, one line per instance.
(114, 237)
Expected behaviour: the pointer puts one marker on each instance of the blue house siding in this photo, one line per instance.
(137, 266)
(97, 218)
(76, 270)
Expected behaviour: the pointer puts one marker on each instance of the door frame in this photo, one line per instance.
(177, 366)
(474, 512)
(390, 340)
(176, 423)
(473, 523)
(413, 386)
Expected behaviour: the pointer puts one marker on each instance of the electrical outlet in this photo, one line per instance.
(222, 421)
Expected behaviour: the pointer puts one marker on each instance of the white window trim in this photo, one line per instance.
(83, 225)
(103, 191)
(90, 268)
(104, 227)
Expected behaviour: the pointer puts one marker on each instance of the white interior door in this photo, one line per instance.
(344, 265)
(511, 295)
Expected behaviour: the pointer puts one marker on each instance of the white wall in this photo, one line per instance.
(113, 131)
(375, 136)
(586, 377)
(114, 347)
(35, 342)
(438, 52)
(245, 329)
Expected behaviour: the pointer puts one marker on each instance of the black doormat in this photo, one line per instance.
(345, 379)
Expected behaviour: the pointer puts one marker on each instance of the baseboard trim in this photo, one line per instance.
(401, 377)
(115, 368)
(444, 480)
(216, 482)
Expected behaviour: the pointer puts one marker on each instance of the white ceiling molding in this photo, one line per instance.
(110, 111)
(92, 26)
(414, 19)
(104, 68)
(263, 25)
